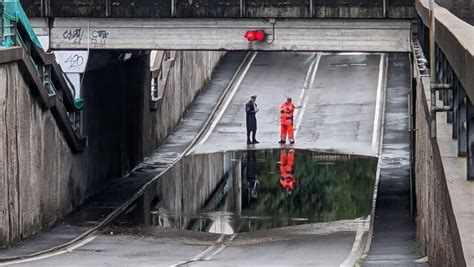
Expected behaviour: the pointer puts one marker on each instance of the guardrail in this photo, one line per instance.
(222, 8)
(453, 82)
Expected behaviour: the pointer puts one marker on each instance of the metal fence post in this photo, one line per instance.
(462, 123)
(448, 78)
(455, 101)
(173, 8)
(2, 21)
(242, 8)
(470, 140)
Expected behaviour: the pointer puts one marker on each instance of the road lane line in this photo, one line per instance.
(350, 260)
(309, 73)
(303, 97)
(221, 248)
(210, 251)
(223, 108)
(378, 104)
(307, 80)
(45, 256)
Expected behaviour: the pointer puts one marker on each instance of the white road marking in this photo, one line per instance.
(69, 249)
(378, 104)
(221, 248)
(350, 260)
(303, 100)
(210, 251)
(226, 103)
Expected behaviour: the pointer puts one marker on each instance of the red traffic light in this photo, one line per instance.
(254, 36)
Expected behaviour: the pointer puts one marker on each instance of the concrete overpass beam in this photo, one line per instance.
(227, 34)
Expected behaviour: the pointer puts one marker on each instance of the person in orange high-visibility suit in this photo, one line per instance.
(286, 121)
(287, 174)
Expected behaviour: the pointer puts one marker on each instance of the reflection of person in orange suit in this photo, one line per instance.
(286, 121)
(287, 174)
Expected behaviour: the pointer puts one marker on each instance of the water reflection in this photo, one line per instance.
(252, 177)
(287, 172)
(252, 190)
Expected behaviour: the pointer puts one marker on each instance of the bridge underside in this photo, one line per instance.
(368, 35)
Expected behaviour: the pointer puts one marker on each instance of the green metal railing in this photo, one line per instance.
(2, 15)
(13, 12)
(16, 30)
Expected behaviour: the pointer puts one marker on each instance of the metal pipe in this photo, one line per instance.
(432, 39)
(441, 86)
(441, 109)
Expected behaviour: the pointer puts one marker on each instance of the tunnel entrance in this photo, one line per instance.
(253, 190)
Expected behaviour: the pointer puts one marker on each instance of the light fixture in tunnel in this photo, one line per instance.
(254, 36)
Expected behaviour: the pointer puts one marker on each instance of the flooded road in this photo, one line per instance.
(234, 192)
(214, 208)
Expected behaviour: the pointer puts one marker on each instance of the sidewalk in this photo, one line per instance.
(393, 239)
(119, 192)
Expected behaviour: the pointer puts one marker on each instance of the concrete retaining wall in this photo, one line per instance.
(36, 162)
(436, 231)
(40, 179)
(183, 84)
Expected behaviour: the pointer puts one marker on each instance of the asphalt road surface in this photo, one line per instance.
(323, 244)
(339, 97)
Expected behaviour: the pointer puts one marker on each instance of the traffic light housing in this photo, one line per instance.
(254, 36)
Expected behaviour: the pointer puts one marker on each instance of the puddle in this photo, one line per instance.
(255, 190)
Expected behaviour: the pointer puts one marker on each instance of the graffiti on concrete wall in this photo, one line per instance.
(99, 38)
(72, 61)
(73, 35)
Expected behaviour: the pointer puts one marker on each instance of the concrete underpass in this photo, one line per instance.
(123, 142)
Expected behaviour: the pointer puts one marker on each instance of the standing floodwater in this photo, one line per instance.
(252, 190)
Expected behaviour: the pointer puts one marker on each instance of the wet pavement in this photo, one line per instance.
(322, 222)
(235, 192)
(393, 241)
(241, 208)
(339, 95)
(324, 244)
(98, 207)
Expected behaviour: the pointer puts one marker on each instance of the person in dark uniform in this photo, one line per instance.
(251, 120)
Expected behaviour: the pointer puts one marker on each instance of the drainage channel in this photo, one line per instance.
(245, 191)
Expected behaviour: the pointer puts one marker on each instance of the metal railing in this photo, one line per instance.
(51, 76)
(2, 20)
